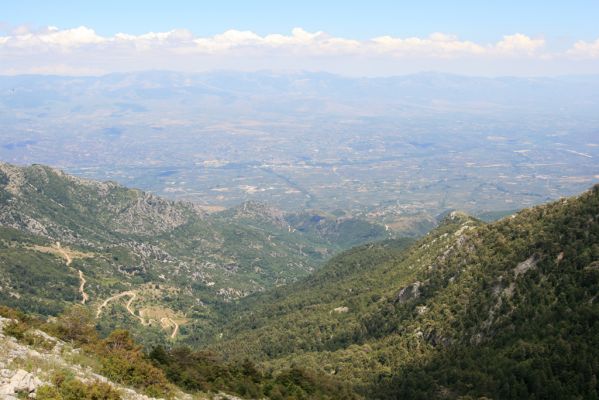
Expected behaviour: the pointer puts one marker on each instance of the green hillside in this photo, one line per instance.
(176, 263)
(471, 310)
(504, 310)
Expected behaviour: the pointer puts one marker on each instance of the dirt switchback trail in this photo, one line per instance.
(145, 316)
(128, 306)
(132, 296)
(176, 330)
(165, 321)
(66, 255)
(84, 296)
(82, 281)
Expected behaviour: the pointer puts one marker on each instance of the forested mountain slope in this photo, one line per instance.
(504, 310)
(501, 310)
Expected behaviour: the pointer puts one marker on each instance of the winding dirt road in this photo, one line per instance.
(64, 254)
(84, 296)
(82, 281)
(171, 322)
(132, 296)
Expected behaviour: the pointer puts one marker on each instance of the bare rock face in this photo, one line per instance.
(116, 208)
(526, 265)
(149, 214)
(21, 382)
(410, 292)
(11, 179)
(255, 210)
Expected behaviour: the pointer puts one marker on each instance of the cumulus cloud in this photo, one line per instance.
(437, 44)
(519, 43)
(52, 36)
(83, 49)
(582, 49)
(176, 35)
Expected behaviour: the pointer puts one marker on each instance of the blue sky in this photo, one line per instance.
(371, 38)
(473, 20)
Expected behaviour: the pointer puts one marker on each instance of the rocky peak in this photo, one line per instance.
(259, 211)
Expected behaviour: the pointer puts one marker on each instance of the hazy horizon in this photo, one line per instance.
(290, 72)
(347, 105)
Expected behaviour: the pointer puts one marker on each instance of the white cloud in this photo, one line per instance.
(173, 35)
(313, 43)
(582, 49)
(437, 44)
(82, 49)
(519, 43)
(52, 36)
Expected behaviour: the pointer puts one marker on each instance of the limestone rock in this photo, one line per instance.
(409, 292)
(21, 382)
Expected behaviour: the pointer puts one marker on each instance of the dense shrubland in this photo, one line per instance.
(503, 310)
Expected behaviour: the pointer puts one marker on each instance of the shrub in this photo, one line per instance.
(48, 392)
(76, 324)
(67, 387)
(16, 329)
(123, 361)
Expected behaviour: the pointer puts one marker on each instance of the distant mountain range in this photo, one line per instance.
(232, 86)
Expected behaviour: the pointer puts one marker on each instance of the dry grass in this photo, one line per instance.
(63, 252)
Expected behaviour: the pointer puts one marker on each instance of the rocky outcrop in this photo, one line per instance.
(409, 292)
(341, 310)
(17, 383)
(259, 212)
(119, 209)
(526, 265)
(149, 214)
(20, 382)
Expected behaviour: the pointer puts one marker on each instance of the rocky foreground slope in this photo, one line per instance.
(28, 369)
(25, 368)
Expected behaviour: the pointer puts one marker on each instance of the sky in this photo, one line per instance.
(348, 37)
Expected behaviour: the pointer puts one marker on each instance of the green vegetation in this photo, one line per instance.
(341, 232)
(124, 239)
(506, 310)
(123, 361)
(66, 387)
(471, 310)
(120, 358)
(204, 371)
(33, 281)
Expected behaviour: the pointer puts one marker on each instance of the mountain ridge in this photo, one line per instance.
(499, 310)
(133, 239)
(414, 326)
